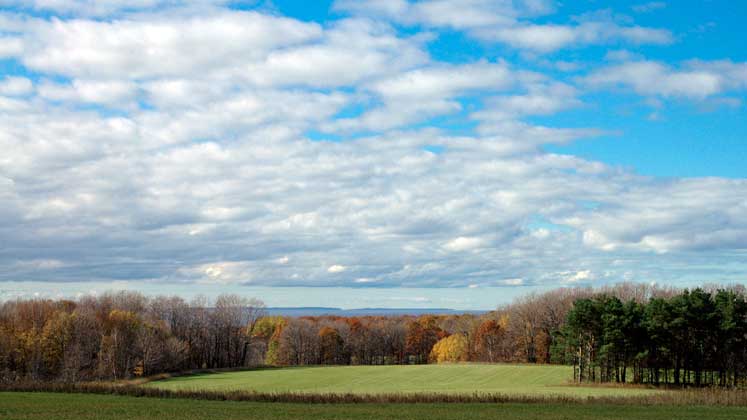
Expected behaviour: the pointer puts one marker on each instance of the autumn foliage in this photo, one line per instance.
(451, 349)
(116, 336)
(488, 339)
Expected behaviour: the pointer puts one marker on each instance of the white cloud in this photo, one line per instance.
(463, 243)
(415, 299)
(15, 86)
(621, 55)
(103, 7)
(445, 81)
(549, 37)
(40, 264)
(579, 276)
(541, 99)
(647, 218)
(423, 93)
(288, 111)
(511, 282)
(732, 75)
(10, 46)
(649, 7)
(159, 46)
(506, 22)
(536, 37)
(108, 92)
(436, 13)
(696, 80)
(336, 268)
(351, 50)
(224, 272)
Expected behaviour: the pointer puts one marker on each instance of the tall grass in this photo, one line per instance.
(707, 396)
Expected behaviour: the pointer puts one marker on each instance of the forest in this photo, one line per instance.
(625, 333)
(692, 338)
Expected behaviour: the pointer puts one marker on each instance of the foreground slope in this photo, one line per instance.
(457, 378)
(44, 406)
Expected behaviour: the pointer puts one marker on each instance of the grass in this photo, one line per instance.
(532, 380)
(45, 406)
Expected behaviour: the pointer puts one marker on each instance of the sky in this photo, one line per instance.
(361, 153)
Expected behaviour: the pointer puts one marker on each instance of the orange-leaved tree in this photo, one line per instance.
(487, 340)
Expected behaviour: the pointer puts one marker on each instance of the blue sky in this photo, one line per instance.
(674, 149)
(374, 153)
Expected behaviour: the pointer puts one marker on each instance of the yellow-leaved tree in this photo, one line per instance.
(454, 348)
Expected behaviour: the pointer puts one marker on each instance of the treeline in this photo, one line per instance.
(524, 331)
(120, 335)
(126, 334)
(695, 338)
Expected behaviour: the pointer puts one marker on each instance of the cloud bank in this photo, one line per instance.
(153, 142)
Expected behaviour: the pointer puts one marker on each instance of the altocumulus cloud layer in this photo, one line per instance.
(163, 142)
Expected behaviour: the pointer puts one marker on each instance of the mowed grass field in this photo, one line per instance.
(451, 379)
(45, 406)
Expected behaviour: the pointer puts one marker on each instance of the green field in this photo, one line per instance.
(457, 378)
(45, 406)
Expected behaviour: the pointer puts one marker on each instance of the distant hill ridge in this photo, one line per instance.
(321, 311)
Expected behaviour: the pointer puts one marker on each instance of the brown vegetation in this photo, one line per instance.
(708, 396)
(118, 336)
